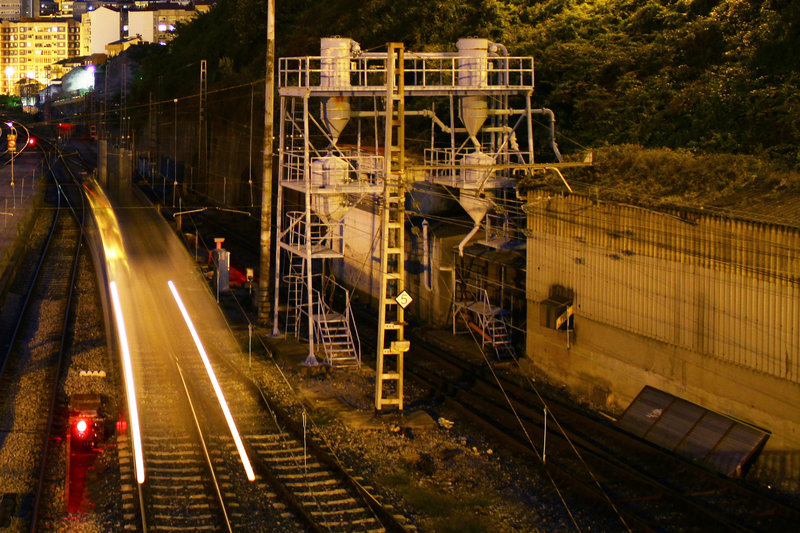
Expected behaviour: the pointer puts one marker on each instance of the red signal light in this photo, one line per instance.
(81, 427)
(31, 141)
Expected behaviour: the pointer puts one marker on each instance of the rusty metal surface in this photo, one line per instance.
(720, 442)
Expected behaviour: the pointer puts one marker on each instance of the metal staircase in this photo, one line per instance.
(485, 319)
(332, 328)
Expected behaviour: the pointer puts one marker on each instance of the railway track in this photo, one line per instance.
(639, 484)
(294, 469)
(195, 481)
(182, 491)
(33, 366)
(195, 476)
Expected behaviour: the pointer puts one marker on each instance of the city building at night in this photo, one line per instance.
(30, 49)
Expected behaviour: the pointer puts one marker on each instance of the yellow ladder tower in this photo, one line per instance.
(393, 298)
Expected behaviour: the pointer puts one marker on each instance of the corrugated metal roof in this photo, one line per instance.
(722, 443)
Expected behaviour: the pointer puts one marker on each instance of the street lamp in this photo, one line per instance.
(9, 74)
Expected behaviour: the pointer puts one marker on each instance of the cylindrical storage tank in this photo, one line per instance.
(473, 56)
(472, 178)
(335, 74)
(473, 62)
(329, 171)
(335, 62)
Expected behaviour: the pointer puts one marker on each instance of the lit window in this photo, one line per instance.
(162, 27)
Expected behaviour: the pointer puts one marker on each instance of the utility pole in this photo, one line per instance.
(264, 287)
(201, 116)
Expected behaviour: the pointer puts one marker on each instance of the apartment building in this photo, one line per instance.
(156, 24)
(98, 28)
(30, 49)
(9, 9)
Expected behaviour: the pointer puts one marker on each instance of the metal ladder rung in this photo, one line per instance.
(391, 401)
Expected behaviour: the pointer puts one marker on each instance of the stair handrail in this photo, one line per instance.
(330, 282)
(351, 326)
(319, 304)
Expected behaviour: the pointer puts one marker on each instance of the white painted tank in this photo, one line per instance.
(476, 207)
(473, 62)
(471, 178)
(326, 173)
(474, 110)
(329, 171)
(335, 62)
(335, 74)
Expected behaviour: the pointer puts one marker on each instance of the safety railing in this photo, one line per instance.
(356, 168)
(322, 234)
(338, 295)
(421, 71)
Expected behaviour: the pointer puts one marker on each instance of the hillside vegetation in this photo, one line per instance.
(697, 76)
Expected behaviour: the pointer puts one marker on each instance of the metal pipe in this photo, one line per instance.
(552, 119)
(426, 271)
(415, 113)
(499, 46)
(468, 237)
(493, 47)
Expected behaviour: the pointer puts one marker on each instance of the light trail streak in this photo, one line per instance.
(214, 383)
(133, 411)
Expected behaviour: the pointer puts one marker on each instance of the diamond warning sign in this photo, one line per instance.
(404, 299)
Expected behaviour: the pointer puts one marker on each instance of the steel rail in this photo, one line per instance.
(29, 292)
(283, 421)
(64, 328)
(202, 440)
(459, 397)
